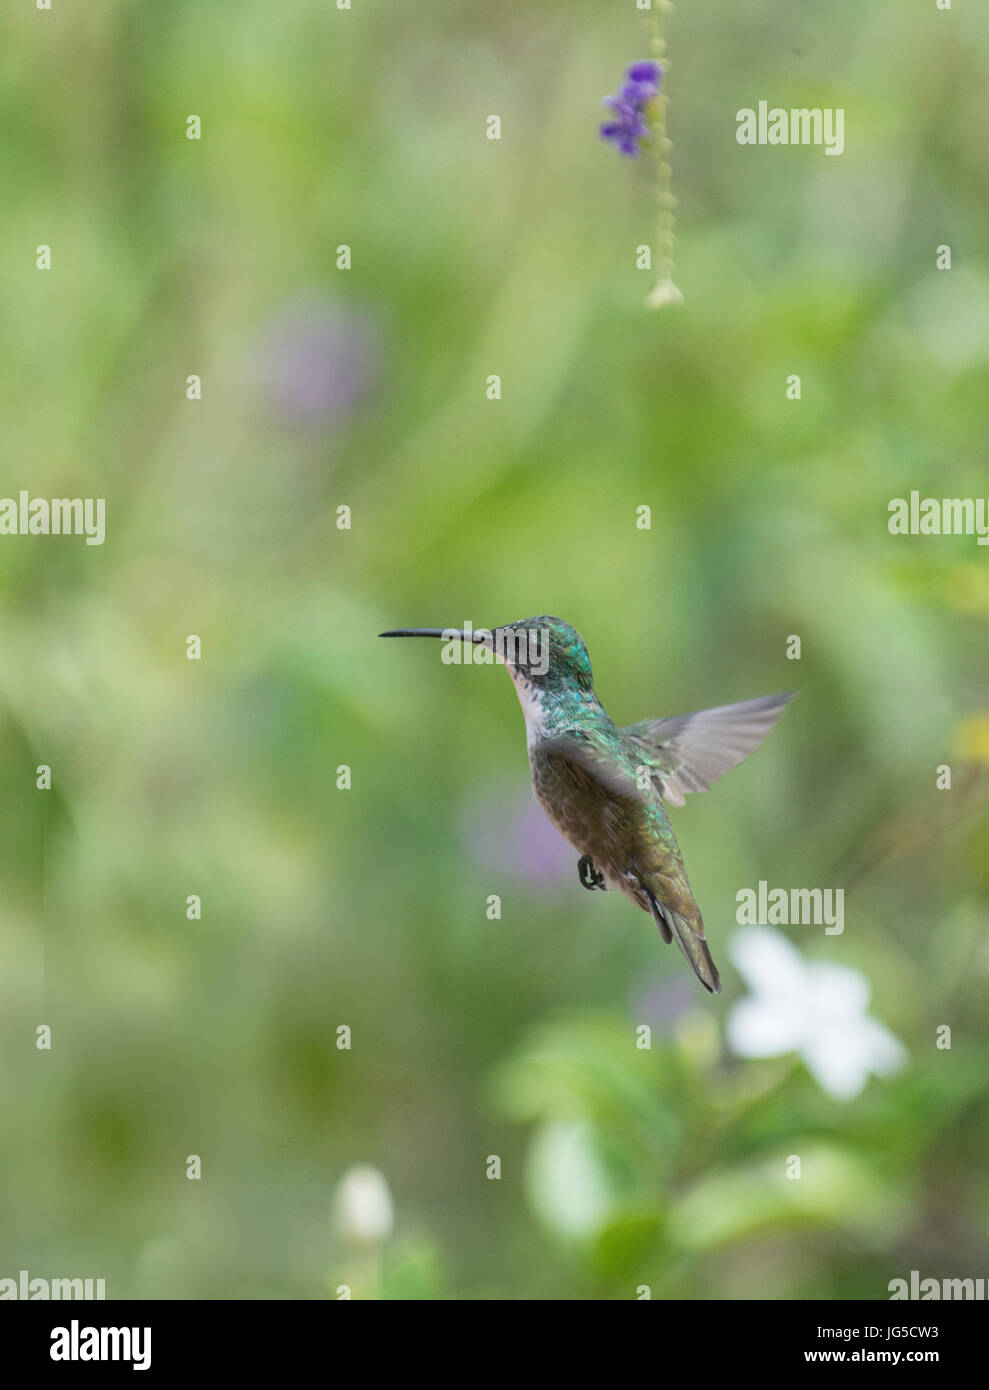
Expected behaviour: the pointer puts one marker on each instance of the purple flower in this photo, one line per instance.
(662, 1003)
(318, 360)
(648, 72)
(628, 130)
(637, 93)
(629, 106)
(507, 833)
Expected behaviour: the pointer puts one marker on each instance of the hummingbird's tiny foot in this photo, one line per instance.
(589, 876)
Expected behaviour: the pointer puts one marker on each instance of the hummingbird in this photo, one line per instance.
(606, 788)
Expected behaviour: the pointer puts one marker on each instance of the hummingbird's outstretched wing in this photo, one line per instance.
(690, 751)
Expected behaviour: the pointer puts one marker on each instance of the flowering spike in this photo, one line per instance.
(630, 107)
(664, 292)
(640, 116)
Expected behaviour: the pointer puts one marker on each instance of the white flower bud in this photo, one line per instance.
(665, 292)
(363, 1212)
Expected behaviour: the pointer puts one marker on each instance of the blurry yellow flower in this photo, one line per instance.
(966, 588)
(971, 738)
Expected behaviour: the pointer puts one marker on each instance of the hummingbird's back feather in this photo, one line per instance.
(690, 751)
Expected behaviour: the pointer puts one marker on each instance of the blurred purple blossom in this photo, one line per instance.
(647, 71)
(663, 1003)
(506, 832)
(629, 105)
(318, 360)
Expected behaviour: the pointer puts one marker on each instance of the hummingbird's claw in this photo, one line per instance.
(588, 875)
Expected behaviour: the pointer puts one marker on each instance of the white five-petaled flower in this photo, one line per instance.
(813, 1008)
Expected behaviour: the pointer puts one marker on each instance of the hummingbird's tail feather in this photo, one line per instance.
(690, 941)
(666, 935)
(695, 948)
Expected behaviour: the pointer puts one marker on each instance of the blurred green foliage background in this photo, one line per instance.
(365, 387)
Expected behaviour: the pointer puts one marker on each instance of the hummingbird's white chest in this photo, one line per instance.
(533, 710)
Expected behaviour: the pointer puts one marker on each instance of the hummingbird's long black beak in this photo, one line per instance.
(447, 632)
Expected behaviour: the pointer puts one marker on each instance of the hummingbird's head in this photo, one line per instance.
(542, 654)
(545, 653)
(545, 657)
